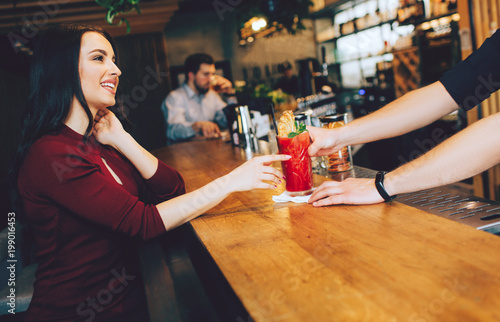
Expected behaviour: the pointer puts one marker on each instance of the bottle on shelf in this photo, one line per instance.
(442, 7)
(411, 11)
(452, 5)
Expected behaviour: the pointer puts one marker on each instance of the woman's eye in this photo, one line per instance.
(99, 58)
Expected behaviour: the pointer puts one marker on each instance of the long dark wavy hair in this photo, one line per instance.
(54, 81)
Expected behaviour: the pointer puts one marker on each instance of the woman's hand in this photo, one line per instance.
(107, 128)
(324, 141)
(350, 191)
(257, 173)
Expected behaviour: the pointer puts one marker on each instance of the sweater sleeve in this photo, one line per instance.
(51, 175)
(165, 184)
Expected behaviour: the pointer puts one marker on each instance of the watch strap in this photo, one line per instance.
(379, 184)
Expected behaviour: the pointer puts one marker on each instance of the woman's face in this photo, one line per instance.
(98, 72)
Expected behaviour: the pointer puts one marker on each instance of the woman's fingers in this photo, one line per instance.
(264, 185)
(258, 174)
(271, 178)
(273, 171)
(100, 114)
(106, 114)
(103, 112)
(270, 173)
(98, 117)
(268, 159)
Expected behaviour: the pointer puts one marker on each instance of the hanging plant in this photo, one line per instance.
(116, 7)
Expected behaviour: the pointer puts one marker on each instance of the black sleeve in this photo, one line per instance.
(473, 80)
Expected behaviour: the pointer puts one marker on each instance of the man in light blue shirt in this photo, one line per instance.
(195, 108)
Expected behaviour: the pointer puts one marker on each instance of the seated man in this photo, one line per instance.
(288, 83)
(195, 108)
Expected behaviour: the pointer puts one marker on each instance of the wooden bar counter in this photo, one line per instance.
(295, 262)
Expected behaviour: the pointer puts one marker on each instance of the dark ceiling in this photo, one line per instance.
(18, 15)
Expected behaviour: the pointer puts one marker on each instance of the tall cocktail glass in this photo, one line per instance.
(297, 170)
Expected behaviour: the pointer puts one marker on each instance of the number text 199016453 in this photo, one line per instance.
(11, 261)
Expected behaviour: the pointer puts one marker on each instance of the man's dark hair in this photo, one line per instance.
(284, 66)
(193, 63)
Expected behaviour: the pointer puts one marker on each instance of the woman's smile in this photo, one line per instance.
(109, 85)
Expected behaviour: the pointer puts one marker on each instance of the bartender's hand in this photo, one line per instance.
(207, 129)
(350, 191)
(222, 85)
(257, 173)
(107, 128)
(324, 141)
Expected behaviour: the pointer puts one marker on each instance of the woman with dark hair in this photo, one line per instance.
(87, 186)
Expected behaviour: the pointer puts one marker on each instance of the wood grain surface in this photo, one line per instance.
(384, 262)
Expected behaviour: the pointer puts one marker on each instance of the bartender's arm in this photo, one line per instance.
(410, 112)
(467, 84)
(465, 154)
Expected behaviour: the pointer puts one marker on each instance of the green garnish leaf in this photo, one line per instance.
(300, 129)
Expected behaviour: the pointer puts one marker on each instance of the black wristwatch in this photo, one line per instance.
(379, 184)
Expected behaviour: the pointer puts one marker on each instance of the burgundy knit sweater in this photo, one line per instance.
(83, 221)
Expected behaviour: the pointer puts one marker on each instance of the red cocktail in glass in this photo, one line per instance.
(297, 170)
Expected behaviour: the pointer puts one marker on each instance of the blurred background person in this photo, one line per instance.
(288, 83)
(195, 108)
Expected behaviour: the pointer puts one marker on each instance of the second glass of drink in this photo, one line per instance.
(341, 160)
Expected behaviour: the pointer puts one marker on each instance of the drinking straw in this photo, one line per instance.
(274, 118)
